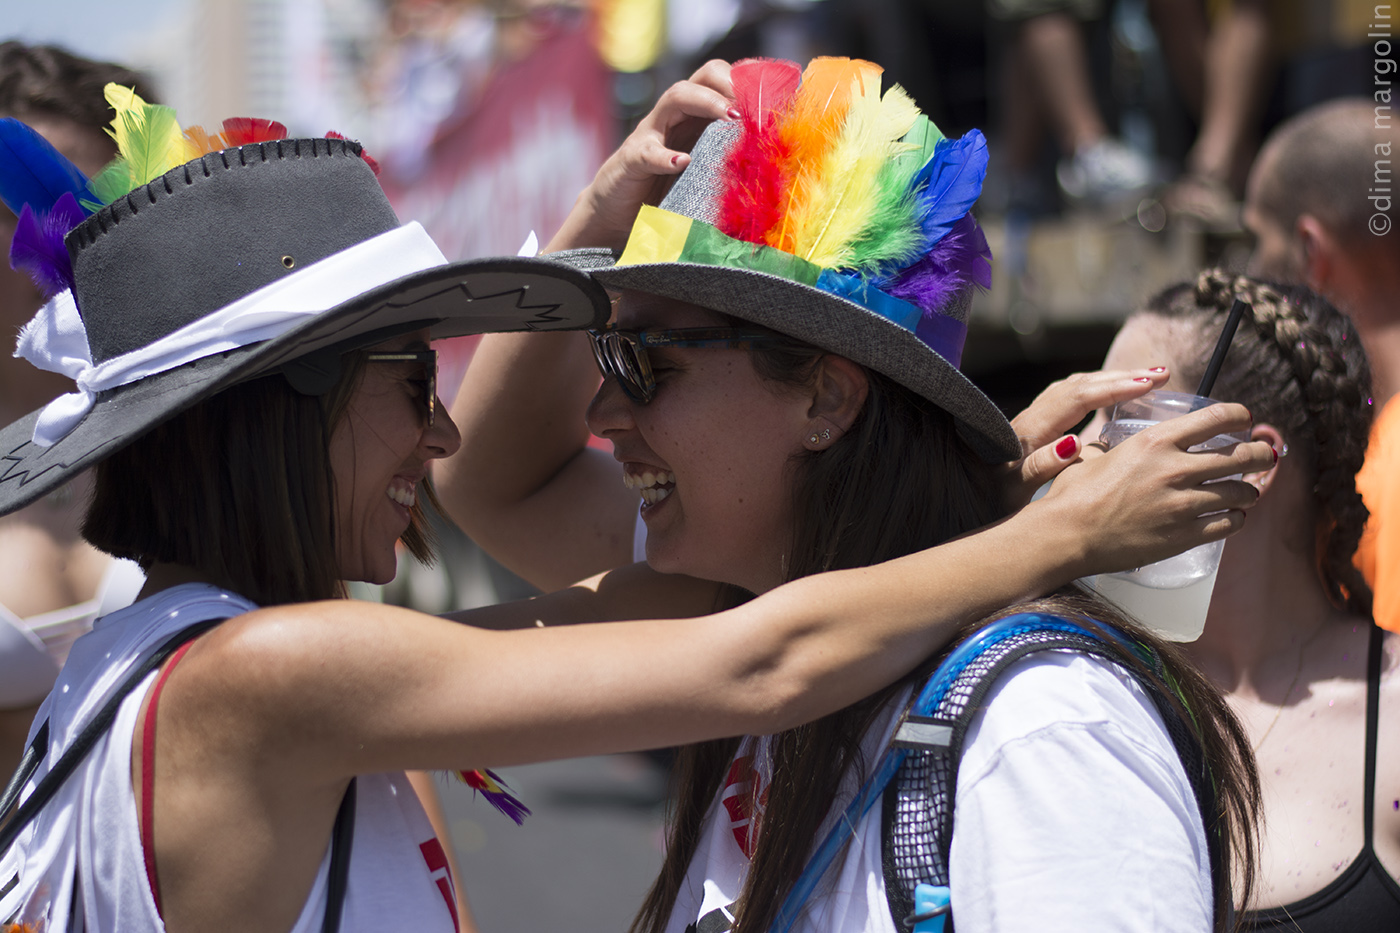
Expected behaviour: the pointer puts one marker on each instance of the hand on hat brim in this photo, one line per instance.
(643, 167)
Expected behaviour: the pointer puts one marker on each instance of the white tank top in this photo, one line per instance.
(84, 849)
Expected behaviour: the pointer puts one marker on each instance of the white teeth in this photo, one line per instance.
(652, 494)
(648, 480)
(405, 496)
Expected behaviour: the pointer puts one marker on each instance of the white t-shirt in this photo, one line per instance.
(87, 835)
(1073, 813)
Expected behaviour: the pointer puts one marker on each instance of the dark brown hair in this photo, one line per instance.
(239, 487)
(900, 480)
(48, 80)
(1297, 364)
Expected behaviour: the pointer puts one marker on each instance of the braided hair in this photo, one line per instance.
(1299, 367)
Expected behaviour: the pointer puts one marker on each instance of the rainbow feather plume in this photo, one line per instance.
(490, 785)
(854, 181)
(37, 246)
(32, 171)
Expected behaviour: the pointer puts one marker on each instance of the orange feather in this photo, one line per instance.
(811, 126)
(198, 142)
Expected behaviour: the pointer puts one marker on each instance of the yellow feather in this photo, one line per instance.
(122, 100)
(811, 126)
(842, 197)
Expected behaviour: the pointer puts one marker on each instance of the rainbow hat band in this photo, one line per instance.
(838, 215)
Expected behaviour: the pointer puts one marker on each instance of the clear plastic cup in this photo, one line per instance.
(1172, 596)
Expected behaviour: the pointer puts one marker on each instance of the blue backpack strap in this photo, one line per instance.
(925, 705)
(917, 816)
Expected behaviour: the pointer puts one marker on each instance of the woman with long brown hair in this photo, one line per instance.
(783, 407)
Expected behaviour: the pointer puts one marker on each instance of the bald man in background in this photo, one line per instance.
(1321, 201)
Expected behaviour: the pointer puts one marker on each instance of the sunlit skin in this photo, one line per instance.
(382, 448)
(728, 439)
(1291, 665)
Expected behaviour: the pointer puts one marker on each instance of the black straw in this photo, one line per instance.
(1222, 346)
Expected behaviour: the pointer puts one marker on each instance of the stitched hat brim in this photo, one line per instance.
(829, 322)
(475, 297)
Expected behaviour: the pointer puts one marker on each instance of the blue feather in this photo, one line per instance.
(33, 172)
(950, 182)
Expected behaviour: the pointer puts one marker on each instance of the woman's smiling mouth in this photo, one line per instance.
(653, 485)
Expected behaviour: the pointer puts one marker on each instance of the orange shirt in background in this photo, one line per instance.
(1378, 555)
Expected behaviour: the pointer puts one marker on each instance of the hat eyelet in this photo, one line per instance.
(289, 262)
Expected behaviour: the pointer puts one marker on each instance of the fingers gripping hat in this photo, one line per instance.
(838, 216)
(195, 262)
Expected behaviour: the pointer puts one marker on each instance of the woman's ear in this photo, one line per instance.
(1265, 480)
(838, 395)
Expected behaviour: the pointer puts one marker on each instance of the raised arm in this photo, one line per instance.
(525, 485)
(390, 689)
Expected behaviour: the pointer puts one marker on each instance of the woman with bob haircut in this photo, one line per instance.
(780, 385)
(1289, 638)
(248, 330)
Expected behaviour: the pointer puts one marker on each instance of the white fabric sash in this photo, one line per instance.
(56, 341)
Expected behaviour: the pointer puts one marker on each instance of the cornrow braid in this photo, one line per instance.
(1299, 367)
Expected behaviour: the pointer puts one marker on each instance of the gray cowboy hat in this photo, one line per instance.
(237, 226)
(809, 314)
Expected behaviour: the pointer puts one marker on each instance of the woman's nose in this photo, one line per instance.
(441, 439)
(610, 410)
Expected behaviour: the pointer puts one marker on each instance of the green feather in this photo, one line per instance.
(893, 235)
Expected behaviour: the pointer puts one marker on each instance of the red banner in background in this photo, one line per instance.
(514, 159)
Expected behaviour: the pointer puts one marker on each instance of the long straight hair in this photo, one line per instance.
(239, 487)
(900, 480)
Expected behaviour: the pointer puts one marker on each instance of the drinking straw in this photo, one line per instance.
(1217, 359)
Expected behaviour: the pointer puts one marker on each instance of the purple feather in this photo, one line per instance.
(959, 260)
(38, 247)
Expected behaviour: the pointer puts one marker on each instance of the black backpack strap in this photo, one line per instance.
(917, 808)
(342, 838)
(85, 740)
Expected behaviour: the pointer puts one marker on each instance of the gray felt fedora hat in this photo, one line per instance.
(752, 283)
(293, 232)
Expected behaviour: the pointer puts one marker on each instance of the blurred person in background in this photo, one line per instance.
(1047, 86)
(1319, 206)
(52, 583)
(1221, 57)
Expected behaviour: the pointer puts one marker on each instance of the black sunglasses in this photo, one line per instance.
(428, 381)
(622, 354)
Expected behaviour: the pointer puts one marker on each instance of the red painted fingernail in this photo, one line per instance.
(1143, 379)
(1158, 369)
(675, 159)
(734, 113)
(1066, 447)
(1275, 453)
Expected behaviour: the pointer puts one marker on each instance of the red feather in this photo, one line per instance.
(240, 131)
(755, 183)
(372, 163)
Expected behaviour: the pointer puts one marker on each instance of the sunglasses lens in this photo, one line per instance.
(621, 359)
